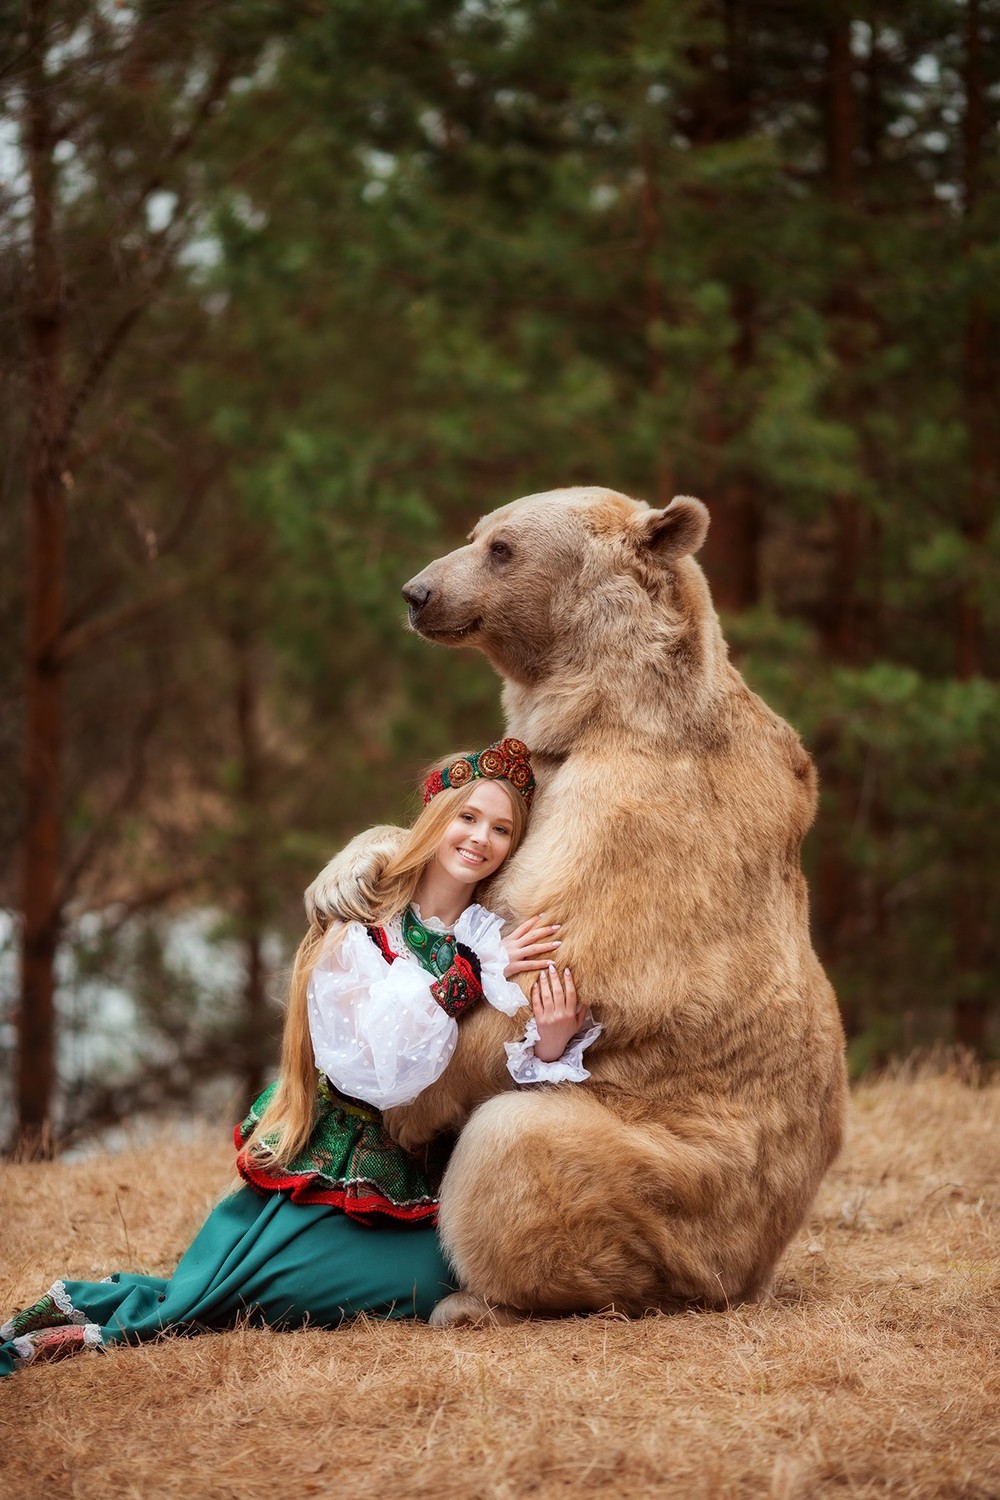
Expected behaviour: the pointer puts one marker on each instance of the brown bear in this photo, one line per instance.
(665, 837)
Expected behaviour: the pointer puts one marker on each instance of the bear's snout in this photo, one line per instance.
(416, 595)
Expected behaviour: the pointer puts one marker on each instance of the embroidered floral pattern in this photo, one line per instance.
(458, 990)
(507, 760)
(56, 1343)
(54, 1310)
(461, 771)
(350, 1162)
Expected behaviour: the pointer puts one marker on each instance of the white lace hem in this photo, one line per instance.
(525, 1068)
(62, 1300)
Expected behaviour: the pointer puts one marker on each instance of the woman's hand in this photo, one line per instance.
(558, 1014)
(529, 946)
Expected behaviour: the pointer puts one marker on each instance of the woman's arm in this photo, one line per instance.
(557, 1012)
(525, 950)
(346, 889)
(378, 1031)
(557, 1035)
(560, 1028)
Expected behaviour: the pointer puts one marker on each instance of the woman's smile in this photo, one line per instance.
(477, 840)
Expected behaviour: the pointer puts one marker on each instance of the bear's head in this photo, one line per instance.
(581, 592)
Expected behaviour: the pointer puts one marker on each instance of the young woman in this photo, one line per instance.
(336, 1219)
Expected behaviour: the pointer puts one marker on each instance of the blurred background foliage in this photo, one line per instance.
(292, 293)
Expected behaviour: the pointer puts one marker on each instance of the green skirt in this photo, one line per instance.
(278, 1263)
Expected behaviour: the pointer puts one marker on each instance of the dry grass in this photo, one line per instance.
(871, 1371)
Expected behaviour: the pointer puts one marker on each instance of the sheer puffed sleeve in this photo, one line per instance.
(479, 929)
(377, 1031)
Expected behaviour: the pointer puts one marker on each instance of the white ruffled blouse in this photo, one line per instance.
(379, 1034)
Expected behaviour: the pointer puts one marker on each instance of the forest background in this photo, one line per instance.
(292, 293)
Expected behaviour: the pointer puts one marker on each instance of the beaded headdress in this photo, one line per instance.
(507, 760)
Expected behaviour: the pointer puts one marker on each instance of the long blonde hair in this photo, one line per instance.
(287, 1123)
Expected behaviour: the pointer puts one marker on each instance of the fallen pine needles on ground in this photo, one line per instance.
(870, 1371)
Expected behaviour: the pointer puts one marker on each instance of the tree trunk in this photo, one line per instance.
(842, 616)
(980, 401)
(843, 636)
(649, 240)
(731, 556)
(841, 110)
(838, 888)
(982, 416)
(44, 676)
(250, 877)
(731, 552)
(720, 110)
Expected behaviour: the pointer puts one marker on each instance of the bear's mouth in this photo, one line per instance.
(453, 633)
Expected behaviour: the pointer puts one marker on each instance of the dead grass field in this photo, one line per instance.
(871, 1371)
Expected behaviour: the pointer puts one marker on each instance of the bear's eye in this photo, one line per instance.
(500, 552)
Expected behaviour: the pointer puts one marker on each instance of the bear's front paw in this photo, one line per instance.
(346, 889)
(320, 898)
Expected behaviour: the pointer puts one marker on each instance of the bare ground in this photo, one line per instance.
(871, 1371)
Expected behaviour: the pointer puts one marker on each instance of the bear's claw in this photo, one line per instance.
(466, 1310)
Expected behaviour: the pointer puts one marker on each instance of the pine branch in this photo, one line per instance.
(149, 897)
(119, 333)
(128, 791)
(90, 632)
(111, 346)
(181, 144)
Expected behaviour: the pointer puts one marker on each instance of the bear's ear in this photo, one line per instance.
(676, 531)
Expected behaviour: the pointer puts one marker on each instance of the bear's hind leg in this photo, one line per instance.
(553, 1204)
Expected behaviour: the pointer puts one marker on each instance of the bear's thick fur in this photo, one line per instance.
(665, 837)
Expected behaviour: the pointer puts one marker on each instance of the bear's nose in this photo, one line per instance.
(416, 595)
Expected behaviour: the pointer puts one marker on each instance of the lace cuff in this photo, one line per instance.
(524, 1067)
(479, 929)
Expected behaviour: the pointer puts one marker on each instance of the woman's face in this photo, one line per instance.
(477, 840)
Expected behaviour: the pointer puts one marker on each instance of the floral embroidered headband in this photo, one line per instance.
(507, 760)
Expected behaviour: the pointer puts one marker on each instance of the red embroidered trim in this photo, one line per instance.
(380, 938)
(459, 989)
(362, 1201)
